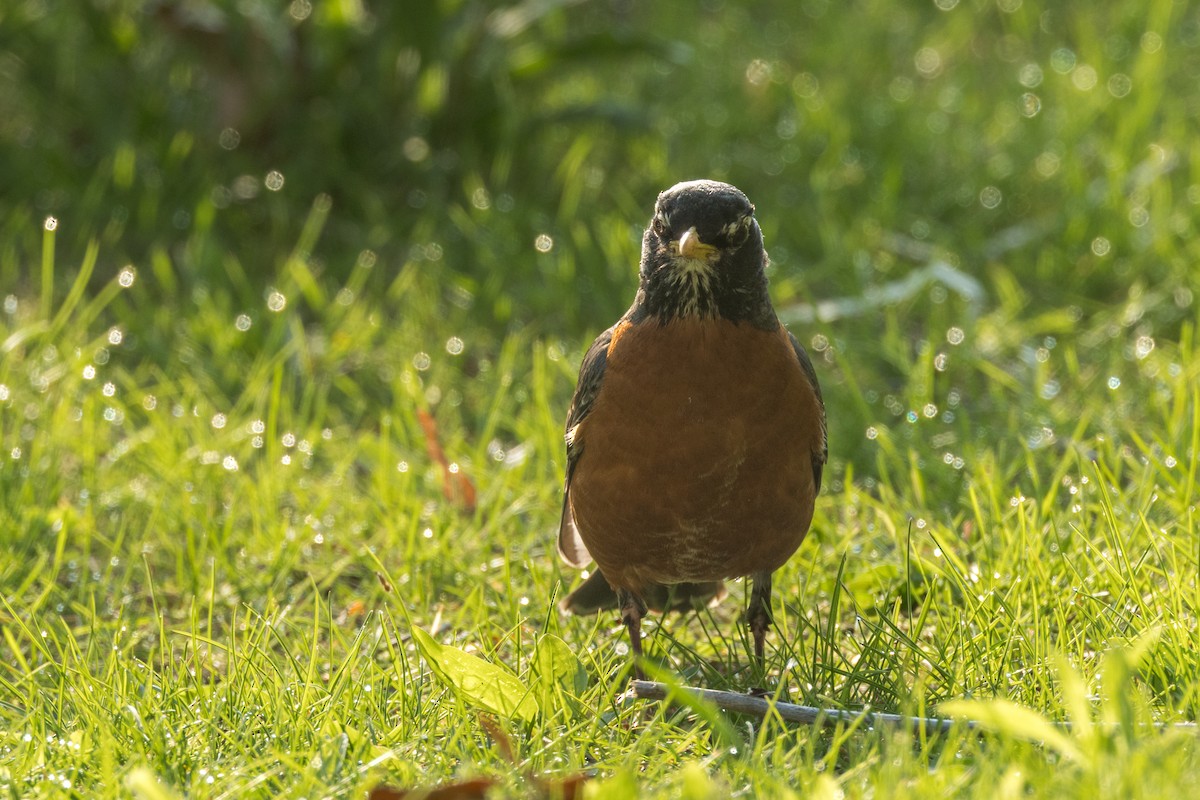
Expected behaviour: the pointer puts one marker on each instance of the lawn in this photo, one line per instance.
(293, 304)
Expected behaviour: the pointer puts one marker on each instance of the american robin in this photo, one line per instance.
(696, 436)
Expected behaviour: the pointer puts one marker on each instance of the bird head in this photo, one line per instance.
(702, 254)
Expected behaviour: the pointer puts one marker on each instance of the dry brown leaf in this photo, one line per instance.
(456, 486)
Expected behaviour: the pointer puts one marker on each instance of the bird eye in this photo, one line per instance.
(659, 225)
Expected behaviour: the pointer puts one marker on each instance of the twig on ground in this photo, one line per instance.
(809, 715)
(790, 712)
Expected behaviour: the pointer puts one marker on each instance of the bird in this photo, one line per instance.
(696, 436)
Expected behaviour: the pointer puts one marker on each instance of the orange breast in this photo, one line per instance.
(697, 455)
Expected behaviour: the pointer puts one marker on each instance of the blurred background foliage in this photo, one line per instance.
(315, 264)
(873, 136)
(1025, 172)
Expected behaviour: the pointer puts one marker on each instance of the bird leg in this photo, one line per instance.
(632, 609)
(758, 613)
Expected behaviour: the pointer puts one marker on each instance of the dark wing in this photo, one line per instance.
(818, 459)
(591, 376)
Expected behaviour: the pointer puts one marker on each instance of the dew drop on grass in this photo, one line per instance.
(1114, 382)
(543, 243)
(126, 276)
(1047, 164)
(243, 322)
(276, 301)
(416, 149)
(928, 62)
(901, 89)
(1085, 78)
(1030, 76)
(109, 389)
(50, 224)
(402, 466)
(454, 345)
(422, 361)
(218, 421)
(1062, 60)
(1120, 85)
(89, 372)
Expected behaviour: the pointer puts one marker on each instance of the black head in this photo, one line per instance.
(702, 256)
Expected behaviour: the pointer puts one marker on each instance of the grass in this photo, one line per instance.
(215, 572)
(223, 523)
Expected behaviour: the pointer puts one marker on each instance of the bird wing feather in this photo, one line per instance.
(591, 376)
(818, 458)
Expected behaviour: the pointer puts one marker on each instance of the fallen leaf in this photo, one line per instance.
(478, 682)
(456, 486)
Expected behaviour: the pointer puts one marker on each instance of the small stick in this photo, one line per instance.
(790, 712)
(809, 715)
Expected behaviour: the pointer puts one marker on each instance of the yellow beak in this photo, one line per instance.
(690, 246)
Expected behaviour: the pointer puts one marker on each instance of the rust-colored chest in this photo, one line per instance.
(697, 456)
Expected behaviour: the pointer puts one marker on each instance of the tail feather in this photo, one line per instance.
(594, 594)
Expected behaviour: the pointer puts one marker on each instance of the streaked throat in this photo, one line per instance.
(691, 286)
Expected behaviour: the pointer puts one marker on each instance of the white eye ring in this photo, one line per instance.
(736, 231)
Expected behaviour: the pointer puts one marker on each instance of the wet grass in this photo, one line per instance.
(222, 520)
(214, 571)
